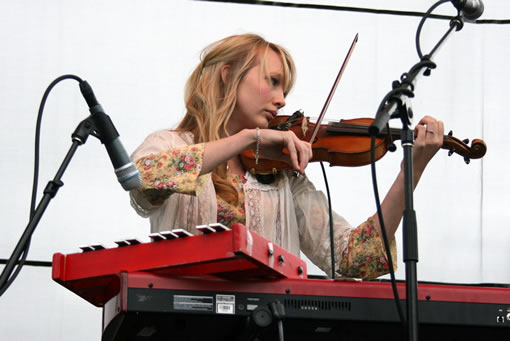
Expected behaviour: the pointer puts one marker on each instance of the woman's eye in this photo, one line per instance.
(275, 81)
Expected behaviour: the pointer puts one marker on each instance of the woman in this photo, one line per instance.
(193, 175)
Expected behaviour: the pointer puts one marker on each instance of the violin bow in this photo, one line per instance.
(333, 89)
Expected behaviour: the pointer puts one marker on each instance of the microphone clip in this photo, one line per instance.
(83, 130)
(99, 125)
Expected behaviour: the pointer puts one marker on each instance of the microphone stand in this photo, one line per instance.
(396, 105)
(79, 137)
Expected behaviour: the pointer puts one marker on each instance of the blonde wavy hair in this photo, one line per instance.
(210, 101)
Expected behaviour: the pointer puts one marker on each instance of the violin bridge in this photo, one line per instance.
(304, 126)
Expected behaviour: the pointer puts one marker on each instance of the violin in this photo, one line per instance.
(347, 143)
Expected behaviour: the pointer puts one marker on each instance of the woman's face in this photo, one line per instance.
(259, 95)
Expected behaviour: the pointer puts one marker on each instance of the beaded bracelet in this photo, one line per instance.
(257, 147)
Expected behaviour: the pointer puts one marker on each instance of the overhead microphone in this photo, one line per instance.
(126, 171)
(470, 9)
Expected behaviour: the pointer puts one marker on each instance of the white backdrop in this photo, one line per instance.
(137, 55)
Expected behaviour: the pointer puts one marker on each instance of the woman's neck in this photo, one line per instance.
(234, 166)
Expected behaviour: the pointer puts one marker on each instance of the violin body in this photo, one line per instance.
(346, 143)
(349, 149)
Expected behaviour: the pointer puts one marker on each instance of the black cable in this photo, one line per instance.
(280, 330)
(357, 10)
(493, 21)
(40, 263)
(422, 21)
(395, 95)
(10, 277)
(331, 231)
(38, 135)
(383, 232)
(278, 310)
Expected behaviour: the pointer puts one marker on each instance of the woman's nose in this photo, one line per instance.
(279, 99)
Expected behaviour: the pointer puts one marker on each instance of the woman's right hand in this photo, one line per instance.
(273, 144)
(285, 146)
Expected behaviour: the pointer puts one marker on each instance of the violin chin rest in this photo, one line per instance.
(265, 179)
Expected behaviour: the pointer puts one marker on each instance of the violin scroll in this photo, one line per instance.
(477, 149)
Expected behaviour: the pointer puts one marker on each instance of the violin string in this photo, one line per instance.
(451, 143)
(356, 128)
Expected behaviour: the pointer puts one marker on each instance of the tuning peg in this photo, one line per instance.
(467, 160)
(451, 151)
(450, 133)
(466, 141)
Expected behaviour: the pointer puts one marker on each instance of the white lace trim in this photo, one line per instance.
(278, 226)
(253, 206)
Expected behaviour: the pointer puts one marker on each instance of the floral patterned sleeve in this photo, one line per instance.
(365, 255)
(171, 171)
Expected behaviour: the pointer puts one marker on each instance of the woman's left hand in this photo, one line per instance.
(429, 134)
(429, 139)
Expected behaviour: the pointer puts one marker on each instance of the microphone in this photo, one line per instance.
(126, 171)
(470, 9)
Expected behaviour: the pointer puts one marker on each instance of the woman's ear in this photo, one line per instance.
(225, 69)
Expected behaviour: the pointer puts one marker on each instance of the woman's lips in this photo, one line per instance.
(270, 115)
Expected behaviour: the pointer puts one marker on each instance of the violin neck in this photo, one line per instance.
(454, 145)
(342, 128)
